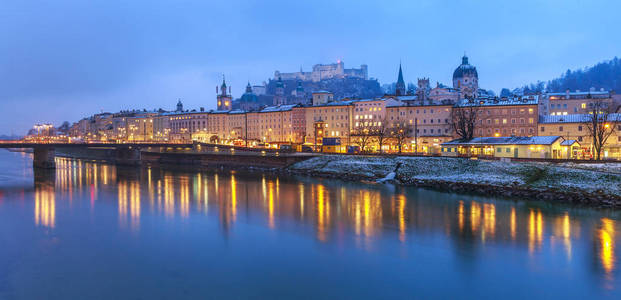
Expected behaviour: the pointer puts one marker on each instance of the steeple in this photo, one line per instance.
(223, 86)
(400, 88)
(248, 88)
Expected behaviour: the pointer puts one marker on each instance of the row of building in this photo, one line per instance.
(426, 114)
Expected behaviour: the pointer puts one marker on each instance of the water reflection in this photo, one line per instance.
(45, 204)
(606, 236)
(331, 211)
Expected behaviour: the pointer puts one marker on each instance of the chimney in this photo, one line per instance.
(202, 109)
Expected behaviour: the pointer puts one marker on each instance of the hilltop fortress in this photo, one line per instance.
(320, 72)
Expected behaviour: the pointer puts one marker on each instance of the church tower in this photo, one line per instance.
(466, 79)
(400, 88)
(224, 100)
(279, 96)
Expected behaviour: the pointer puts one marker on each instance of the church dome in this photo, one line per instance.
(465, 69)
(249, 96)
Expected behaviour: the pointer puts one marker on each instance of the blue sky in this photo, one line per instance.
(63, 60)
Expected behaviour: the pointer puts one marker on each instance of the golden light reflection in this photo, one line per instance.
(607, 246)
(402, 208)
(489, 220)
(134, 198)
(460, 216)
(184, 196)
(233, 197)
(301, 193)
(372, 213)
(270, 204)
(45, 206)
(475, 216)
(169, 197)
(562, 231)
(122, 198)
(535, 230)
(321, 213)
(513, 223)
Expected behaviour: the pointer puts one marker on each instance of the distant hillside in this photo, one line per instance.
(606, 75)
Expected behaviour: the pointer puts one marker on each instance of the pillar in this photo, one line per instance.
(127, 156)
(44, 157)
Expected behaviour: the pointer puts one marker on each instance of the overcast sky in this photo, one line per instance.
(63, 60)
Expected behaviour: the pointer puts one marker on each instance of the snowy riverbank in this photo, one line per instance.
(595, 184)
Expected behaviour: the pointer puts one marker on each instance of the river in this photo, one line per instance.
(94, 231)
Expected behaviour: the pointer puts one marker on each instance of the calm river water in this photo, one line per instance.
(92, 231)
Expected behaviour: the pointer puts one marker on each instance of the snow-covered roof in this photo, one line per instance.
(367, 100)
(512, 140)
(407, 98)
(494, 101)
(580, 93)
(575, 118)
(237, 111)
(569, 142)
(322, 92)
(278, 108)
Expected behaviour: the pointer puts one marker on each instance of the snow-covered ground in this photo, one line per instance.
(611, 167)
(604, 178)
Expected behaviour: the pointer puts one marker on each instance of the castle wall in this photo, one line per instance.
(320, 72)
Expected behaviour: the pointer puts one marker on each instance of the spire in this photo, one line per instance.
(223, 86)
(400, 79)
(464, 59)
(400, 88)
(248, 88)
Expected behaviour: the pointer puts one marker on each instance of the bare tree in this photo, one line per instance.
(600, 124)
(382, 133)
(400, 132)
(363, 135)
(463, 120)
